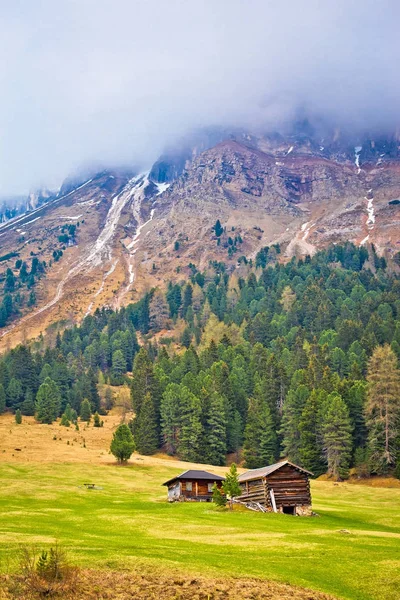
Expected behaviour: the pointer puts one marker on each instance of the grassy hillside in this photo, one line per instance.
(352, 550)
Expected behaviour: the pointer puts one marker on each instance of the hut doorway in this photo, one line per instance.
(289, 510)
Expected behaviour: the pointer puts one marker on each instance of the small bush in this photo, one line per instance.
(18, 417)
(46, 573)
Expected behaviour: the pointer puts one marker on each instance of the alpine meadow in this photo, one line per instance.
(199, 300)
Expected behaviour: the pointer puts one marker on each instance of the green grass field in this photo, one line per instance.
(129, 524)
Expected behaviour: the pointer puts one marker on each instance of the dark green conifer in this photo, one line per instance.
(145, 427)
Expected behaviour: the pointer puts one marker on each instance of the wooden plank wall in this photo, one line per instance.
(291, 487)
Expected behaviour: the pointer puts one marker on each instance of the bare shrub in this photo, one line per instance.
(46, 572)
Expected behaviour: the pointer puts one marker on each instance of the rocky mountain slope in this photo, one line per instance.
(135, 231)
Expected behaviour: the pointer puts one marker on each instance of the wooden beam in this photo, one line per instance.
(271, 493)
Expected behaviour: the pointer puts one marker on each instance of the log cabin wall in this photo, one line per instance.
(255, 490)
(291, 487)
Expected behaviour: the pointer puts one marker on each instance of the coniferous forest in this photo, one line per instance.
(295, 360)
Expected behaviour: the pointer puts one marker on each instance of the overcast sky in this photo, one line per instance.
(115, 80)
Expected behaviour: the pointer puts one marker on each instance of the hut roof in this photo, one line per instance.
(265, 471)
(193, 474)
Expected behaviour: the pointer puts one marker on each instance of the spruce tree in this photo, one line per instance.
(69, 413)
(268, 437)
(15, 393)
(143, 379)
(122, 445)
(18, 417)
(65, 422)
(96, 420)
(28, 405)
(337, 437)
(252, 436)
(235, 429)
(118, 367)
(231, 485)
(171, 416)
(48, 402)
(292, 410)
(145, 427)
(310, 451)
(86, 411)
(216, 431)
(191, 430)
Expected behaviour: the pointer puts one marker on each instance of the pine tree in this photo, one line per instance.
(383, 408)
(231, 485)
(85, 412)
(122, 445)
(96, 420)
(48, 402)
(216, 431)
(2, 399)
(337, 437)
(145, 427)
(18, 417)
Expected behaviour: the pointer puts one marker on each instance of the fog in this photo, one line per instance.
(114, 81)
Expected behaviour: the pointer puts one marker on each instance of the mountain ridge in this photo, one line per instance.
(136, 230)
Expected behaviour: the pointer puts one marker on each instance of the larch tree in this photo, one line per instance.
(383, 408)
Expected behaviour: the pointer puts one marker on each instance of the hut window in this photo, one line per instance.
(188, 486)
(210, 487)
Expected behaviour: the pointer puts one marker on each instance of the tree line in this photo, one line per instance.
(296, 360)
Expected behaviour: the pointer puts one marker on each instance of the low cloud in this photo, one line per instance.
(114, 81)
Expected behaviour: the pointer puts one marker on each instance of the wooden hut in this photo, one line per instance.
(193, 485)
(282, 487)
